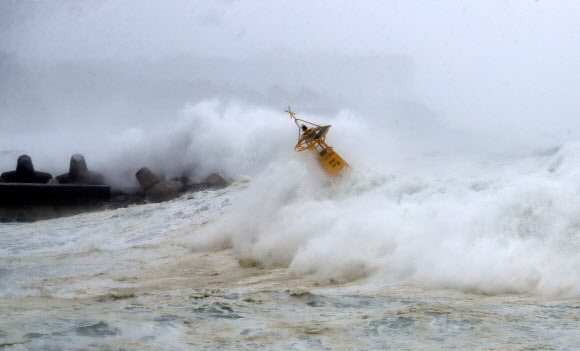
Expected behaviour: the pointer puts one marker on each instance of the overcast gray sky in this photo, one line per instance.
(490, 65)
(450, 31)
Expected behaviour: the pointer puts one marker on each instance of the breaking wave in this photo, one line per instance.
(509, 225)
(412, 209)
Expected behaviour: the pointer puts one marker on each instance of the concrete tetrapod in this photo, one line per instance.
(156, 189)
(25, 173)
(78, 173)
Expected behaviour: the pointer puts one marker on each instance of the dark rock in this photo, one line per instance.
(139, 193)
(197, 187)
(156, 189)
(128, 192)
(185, 180)
(216, 181)
(136, 200)
(120, 199)
(2, 180)
(187, 183)
(78, 173)
(127, 200)
(25, 173)
(177, 185)
(107, 206)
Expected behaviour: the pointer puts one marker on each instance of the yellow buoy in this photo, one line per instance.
(313, 138)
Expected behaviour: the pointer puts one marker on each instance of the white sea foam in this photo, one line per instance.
(509, 225)
(462, 220)
(382, 244)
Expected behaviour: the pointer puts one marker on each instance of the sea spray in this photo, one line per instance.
(504, 226)
(409, 212)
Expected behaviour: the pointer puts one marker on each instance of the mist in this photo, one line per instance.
(185, 87)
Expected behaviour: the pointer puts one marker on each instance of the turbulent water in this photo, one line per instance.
(457, 225)
(429, 252)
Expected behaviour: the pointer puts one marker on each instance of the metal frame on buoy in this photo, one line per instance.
(314, 139)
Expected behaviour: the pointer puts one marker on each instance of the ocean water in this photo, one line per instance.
(431, 251)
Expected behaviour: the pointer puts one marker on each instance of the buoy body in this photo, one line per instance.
(331, 161)
(313, 139)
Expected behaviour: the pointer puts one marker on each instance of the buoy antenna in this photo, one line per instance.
(290, 112)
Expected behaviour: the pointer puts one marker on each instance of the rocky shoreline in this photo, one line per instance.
(27, 195)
